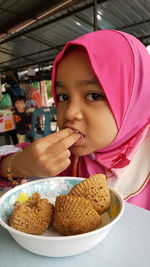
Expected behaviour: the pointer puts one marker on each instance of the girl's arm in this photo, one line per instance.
(47, 156)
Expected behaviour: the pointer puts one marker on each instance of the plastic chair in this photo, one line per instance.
(54, 117)
(44, 116)
(54, 113)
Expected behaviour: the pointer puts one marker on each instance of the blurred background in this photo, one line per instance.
(33, 32)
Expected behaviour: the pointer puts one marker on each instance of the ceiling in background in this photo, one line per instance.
(33, 32)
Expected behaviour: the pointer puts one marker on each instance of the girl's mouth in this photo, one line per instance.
(81, 138)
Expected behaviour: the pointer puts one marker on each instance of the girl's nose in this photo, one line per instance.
(74, 111)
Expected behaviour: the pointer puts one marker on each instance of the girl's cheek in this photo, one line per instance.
(60, 122)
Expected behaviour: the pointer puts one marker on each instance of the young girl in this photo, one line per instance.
(101, 87)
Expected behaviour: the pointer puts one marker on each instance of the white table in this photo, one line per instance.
(127, 245)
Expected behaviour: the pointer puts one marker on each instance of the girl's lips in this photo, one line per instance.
(81, 136)
(80, 139)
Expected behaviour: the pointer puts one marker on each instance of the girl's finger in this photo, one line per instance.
(61, 157)
(54, 166)
(57, 169)
(47, 141)
(55, 137)
(63, 144)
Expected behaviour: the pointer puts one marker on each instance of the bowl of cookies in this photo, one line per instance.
(61, 216)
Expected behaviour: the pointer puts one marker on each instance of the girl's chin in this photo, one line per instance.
(79, 151)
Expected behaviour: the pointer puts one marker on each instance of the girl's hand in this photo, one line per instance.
(47, 156)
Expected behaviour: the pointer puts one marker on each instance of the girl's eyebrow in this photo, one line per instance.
(79, 83)
(88, 82)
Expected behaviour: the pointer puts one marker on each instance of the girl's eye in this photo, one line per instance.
(95, 96)
(62, 97)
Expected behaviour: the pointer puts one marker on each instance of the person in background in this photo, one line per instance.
(34, 98)
(6, 103)
(13, 90)
(101, 87)
(22, 118)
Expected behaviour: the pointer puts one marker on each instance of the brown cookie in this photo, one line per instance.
(96, 190)
(32, 216)
(74, 215)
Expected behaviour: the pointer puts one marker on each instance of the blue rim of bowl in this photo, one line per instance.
(41, 237)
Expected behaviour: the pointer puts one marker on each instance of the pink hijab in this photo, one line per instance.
(122, 66)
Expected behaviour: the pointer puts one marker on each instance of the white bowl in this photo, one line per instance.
(51, 243)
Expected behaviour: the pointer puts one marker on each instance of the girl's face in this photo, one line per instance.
(82, 104)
